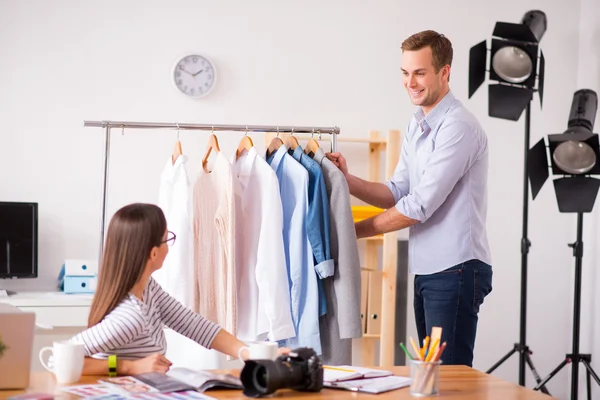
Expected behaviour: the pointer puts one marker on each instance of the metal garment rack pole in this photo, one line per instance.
(108, 125)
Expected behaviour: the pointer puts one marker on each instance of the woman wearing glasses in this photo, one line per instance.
(125, 324)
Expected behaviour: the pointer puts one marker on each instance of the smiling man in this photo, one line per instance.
(439, 190)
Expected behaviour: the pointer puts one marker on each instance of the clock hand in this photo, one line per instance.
(197, 72)
(186, 71)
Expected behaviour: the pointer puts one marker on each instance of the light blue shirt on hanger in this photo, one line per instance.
(304, 295)
(441, 181)
(317, 222)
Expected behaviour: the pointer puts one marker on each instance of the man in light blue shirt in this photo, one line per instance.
(439, 191)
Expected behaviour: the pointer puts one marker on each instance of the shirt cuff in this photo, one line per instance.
(392, 189)
(410, 209)
(325, 269)
(281, 333)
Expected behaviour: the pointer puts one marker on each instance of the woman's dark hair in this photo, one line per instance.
(132, 233)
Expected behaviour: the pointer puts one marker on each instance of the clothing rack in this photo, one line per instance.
(108, 125)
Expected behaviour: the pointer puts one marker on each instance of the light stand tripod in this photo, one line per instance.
(521, 347)
(575, 357)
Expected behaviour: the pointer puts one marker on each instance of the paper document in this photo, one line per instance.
(372, 385)
(347, 372)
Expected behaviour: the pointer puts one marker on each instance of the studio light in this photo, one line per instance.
(514, 65)
(574, 155)
(517, 72)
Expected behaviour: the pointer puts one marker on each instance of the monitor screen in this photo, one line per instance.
(18, 240)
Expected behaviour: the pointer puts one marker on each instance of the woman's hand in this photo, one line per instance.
(153, 363)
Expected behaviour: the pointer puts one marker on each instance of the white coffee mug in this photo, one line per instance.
(259, 351)
(68, 361)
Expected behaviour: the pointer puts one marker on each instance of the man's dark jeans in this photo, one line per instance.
(451, 299)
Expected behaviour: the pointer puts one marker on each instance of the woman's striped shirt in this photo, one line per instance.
(134, 329)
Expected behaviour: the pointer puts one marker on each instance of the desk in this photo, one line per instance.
(456, 382)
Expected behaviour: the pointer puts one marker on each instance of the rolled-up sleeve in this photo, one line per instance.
(399, 184)
(456, 149)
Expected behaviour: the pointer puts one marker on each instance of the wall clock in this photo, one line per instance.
(194, 75)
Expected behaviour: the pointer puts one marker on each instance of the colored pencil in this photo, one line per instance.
(439, 353)
(432, 350)
(424, 349)
(416, 349)
(337, 368)
(410, 357)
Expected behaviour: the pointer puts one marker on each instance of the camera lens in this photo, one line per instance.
(260, 377)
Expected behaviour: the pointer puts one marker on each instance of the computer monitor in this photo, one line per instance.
(18, 240)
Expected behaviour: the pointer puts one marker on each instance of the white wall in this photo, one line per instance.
(588, 77)
(303, 63)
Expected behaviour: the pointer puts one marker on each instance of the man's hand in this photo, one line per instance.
(374, 193)
(153, 363)
(283, 350)
(339, 161)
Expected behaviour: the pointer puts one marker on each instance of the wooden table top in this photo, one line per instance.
(456, 382)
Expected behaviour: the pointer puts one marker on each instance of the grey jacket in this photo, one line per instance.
(342, 321)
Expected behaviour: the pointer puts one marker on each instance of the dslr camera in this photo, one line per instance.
(301, 369)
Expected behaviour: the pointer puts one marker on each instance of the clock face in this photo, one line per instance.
(194, 75)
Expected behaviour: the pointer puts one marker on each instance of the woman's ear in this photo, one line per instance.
(153, 254)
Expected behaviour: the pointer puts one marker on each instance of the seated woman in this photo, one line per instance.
(129, 308)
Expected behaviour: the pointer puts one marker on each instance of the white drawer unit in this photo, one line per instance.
(46, 317)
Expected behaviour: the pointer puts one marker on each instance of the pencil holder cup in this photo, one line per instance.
(425, 378)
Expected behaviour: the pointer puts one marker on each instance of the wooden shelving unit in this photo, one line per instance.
(378, 294)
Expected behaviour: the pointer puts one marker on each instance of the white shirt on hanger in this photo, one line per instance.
(176, 274)
(263, 295)
(214, 254)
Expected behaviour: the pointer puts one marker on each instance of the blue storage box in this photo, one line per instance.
(80, 284)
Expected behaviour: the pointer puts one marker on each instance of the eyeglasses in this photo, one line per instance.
(170, 241)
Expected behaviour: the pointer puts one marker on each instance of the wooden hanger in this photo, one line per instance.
(291, 142)
(213, 144)
(311, 147)
(177, 150)
(275, 144)
(245, 144)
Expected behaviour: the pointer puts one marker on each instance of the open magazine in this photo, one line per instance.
(178, 379)
(127, 388)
